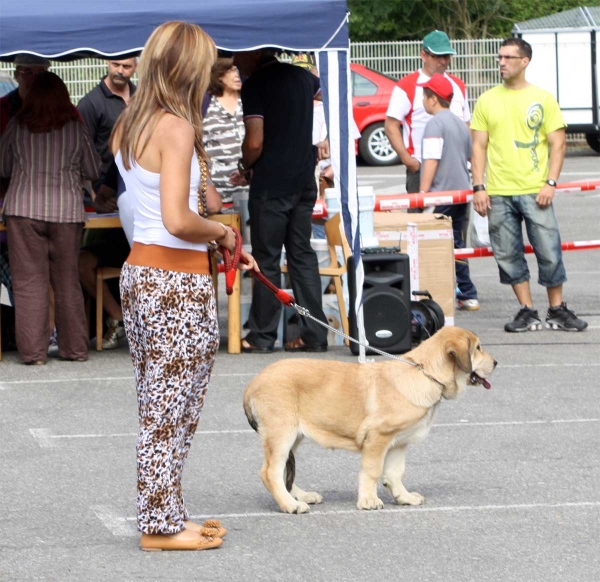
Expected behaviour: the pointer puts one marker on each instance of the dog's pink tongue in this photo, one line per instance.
(486, 384)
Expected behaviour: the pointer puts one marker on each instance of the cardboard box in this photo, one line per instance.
(436, 252)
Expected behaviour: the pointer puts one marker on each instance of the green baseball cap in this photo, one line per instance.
(438, 43)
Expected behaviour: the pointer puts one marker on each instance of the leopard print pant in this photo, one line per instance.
(171, 324)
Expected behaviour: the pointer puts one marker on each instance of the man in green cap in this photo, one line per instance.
(406, 105)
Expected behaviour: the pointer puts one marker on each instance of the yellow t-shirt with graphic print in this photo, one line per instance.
(517, 123)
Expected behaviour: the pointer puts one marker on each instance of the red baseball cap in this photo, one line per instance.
(440, 85)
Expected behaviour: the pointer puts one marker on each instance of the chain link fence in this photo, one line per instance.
(80, 76)
(474, 63)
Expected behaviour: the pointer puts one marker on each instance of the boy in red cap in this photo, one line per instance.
(446, 149)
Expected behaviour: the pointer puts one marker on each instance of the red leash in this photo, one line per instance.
(232, 261)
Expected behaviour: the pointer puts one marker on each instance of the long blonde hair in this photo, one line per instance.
(174, 74)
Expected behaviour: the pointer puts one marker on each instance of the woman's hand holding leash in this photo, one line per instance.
(235, 257)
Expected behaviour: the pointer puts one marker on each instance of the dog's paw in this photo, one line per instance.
(310, 497)
(413, 498)
(369, 503)
(299, 507)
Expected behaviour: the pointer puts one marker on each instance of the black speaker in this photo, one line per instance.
(386, 302)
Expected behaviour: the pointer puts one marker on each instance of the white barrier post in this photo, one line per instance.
(412, 250)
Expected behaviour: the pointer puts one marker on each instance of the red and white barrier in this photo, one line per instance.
(400, 201)
(403, 201)
(580, 245)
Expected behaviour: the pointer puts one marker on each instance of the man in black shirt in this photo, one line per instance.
(277, 100)
(100, 109)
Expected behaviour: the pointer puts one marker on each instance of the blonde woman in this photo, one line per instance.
(166, 289)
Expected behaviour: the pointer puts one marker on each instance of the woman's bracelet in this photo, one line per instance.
(225, 231)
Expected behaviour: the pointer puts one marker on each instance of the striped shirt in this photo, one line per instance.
(223, 137)
(47, 171)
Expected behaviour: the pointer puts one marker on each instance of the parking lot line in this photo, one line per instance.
(408, 510)
(45, 439)
(121, 526)
(9, 383)
(4, 385)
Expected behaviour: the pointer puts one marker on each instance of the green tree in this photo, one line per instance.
(380, 20)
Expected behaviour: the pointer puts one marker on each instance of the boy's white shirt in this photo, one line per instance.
(432, 148)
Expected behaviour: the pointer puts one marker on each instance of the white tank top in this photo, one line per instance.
(143, 189)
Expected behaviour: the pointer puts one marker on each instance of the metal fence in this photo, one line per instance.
(474, 63)
(80, 76)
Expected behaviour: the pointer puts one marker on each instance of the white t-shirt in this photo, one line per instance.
(320, 130)
(406, 105)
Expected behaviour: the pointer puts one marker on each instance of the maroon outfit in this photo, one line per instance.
(44, 213)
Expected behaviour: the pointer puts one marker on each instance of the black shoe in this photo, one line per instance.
(562, 318)
(250, 349)
(298, 345)
(526, 320)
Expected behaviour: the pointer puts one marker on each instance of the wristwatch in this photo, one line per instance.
(551, 183)
(478, 188)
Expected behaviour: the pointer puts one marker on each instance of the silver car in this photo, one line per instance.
(7, 83)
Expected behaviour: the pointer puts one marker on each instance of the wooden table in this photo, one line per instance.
(234, 344)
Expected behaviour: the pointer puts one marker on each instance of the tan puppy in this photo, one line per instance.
(376, 409)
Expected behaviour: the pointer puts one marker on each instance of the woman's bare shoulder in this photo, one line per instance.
(171, 126)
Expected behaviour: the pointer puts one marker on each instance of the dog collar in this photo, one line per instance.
(420, 367)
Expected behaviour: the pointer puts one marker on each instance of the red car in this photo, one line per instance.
(371, 94)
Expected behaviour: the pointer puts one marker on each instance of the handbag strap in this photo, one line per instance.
(202, 205)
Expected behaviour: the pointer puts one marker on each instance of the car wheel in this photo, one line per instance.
(375, 148)
(593, 140)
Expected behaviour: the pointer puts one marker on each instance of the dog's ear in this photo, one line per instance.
(460, 349)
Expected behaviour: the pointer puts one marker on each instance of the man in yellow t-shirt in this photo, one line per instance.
(519, 128)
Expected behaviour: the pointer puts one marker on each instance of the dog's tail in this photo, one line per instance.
(251, 419)
(290, 471)
(290, 465)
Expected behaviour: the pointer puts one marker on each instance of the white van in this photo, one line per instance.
(566, 62)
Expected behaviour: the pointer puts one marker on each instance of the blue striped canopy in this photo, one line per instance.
(65, 29)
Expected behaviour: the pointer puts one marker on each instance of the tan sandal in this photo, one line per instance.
(176, 542)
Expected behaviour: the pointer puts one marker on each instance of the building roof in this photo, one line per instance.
(584, 17)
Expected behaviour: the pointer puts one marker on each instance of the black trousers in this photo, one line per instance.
(458, 213)
(413, 183)
(278, 220)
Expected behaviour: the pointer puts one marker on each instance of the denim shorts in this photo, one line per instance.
(506, 235)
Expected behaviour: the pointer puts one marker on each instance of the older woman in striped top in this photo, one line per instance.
(223, 128)
(47, 153)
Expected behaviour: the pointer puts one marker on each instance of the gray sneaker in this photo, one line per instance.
(113, 334)
(53, 344)
(562, 318)
(526, 320)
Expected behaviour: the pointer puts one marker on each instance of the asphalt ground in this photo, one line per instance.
(511, 476)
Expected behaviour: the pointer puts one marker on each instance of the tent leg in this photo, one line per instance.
(362, 338)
